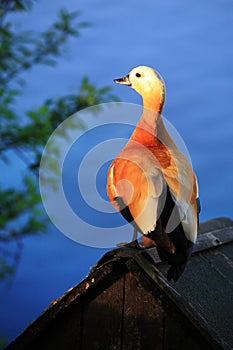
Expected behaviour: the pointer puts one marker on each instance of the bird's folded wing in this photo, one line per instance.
(183, 187)
(140, 187)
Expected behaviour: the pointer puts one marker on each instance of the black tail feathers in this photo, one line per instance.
(178, 260)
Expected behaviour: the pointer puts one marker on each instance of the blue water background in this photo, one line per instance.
(190, 44)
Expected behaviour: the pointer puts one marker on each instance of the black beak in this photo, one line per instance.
(124, 81)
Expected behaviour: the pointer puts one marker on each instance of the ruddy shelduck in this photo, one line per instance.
(151, 183)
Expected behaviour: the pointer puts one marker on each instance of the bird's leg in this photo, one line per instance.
(135, 234)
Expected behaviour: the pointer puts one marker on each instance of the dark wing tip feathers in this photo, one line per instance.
(175, 272)
(177, 260)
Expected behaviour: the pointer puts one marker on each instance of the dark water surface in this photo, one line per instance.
(190, 44)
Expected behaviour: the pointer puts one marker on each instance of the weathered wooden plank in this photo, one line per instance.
(180, 334)
(61, 323)
(186, 308)
(212, 274)
(64, 332)
(213, 239)
(204, 241)
(143, 314)
(102, 319)
(215, 224)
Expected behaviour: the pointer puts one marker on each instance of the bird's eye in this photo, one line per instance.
(138, 75)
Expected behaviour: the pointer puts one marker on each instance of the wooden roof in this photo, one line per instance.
(203, 295)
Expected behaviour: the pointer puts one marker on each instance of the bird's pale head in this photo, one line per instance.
(147, 82)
